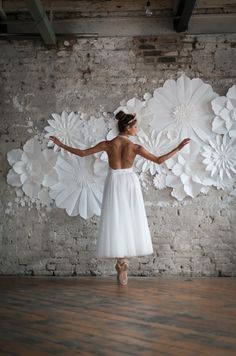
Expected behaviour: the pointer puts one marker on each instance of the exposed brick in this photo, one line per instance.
(170, 54)
(165, 39)
(146, 46)
(151, 53)
(150, 60)
(166, 59)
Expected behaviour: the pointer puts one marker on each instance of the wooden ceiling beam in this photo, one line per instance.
(42, 22)
(183, 14)
(3, 15)
(91, 5)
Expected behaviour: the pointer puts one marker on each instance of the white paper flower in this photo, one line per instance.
(14, 156)
(225, 111)
(156, 143)
(231, 93)
(79, 190)
(132, 106)
(187, 175)
(68, 128)
(144, 180)
(183, 106)
(219, 183)
(159, 180)
(44, 197)
(35, 167)
(48, 161)
(94, 130)
(233, 192)
(220, 157)
(29, 168)
(13, 178)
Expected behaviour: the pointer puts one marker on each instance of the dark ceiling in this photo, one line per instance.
(53, 19)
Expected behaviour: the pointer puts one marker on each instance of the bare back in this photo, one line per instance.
(121, 153)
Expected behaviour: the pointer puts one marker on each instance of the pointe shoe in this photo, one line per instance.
(122, 269)
(117, 267)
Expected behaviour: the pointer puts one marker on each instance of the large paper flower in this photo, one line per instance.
(220, 157)
(183, 106)
(48, 160)
(145, 180)
(13, 178)
(231, 93)
(187, 175)
(29, 168)
(157, 144)
(14, 156)
(94, 129)
(225, 111)
(130, 107)
(67, 128)
(35, 167)
(79, 189)
(159, 180)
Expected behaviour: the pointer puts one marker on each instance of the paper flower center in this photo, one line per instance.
(222, 156)
(182, 113)
(32, 168)
(29, 167)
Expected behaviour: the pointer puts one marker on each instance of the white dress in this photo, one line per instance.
(123, 226)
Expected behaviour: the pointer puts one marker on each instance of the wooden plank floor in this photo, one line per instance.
(96, 316)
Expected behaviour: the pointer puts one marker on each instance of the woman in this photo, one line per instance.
(123, 228)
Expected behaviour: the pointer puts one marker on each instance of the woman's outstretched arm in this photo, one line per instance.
(148, 155)
(101, 146)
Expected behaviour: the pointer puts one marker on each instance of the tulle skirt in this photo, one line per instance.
(123, 226)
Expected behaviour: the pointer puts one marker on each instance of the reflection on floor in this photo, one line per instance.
(97, 316)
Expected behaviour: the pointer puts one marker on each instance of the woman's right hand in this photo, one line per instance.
(183, 143)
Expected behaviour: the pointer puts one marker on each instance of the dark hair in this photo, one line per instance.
(125, 120)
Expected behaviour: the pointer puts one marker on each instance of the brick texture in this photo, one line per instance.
(196, 237)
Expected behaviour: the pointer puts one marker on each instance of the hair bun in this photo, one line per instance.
(120, 115)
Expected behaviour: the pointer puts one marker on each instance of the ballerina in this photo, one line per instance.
(123, 226)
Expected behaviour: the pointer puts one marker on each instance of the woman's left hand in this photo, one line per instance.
(183, 143)
(55, 140)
